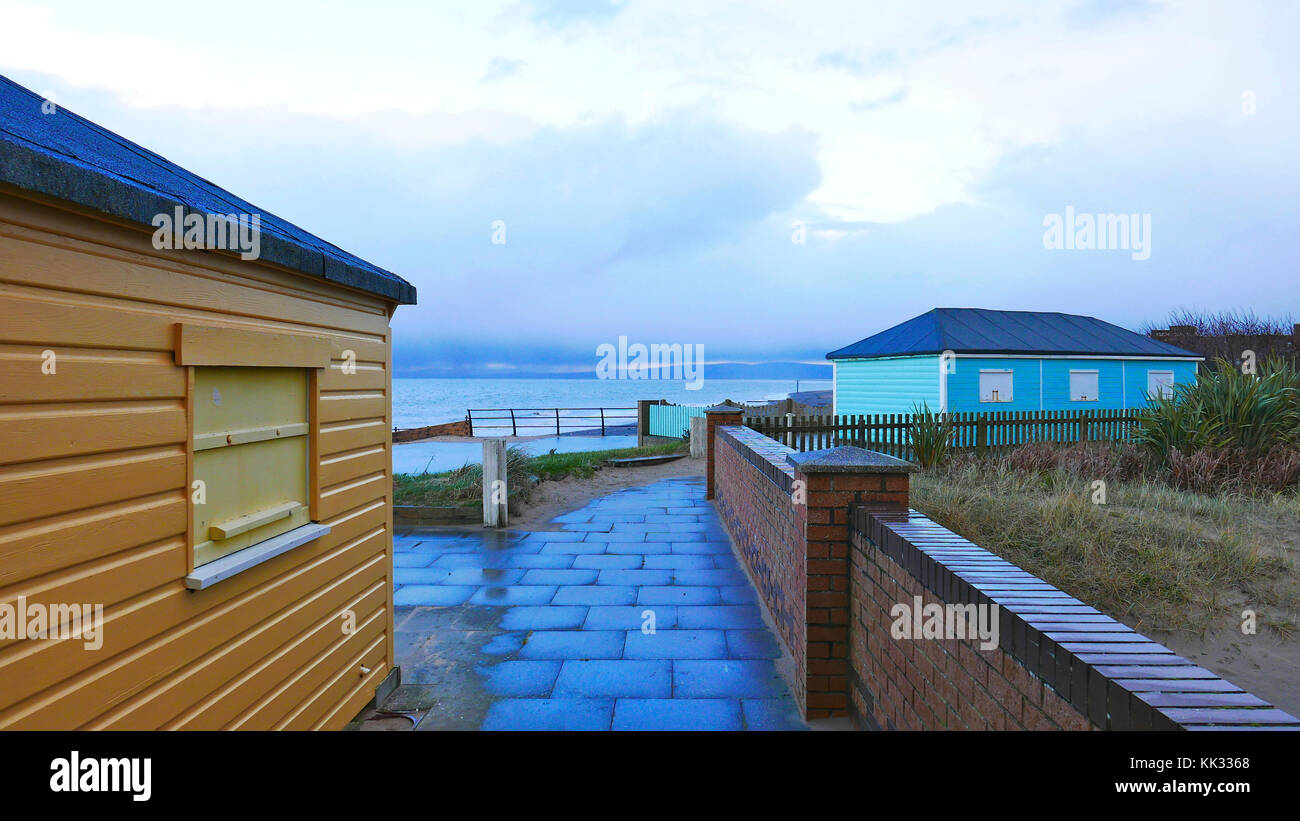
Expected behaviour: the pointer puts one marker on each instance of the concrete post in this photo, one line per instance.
(643, 420)
(699, 436)
(717, 415)
(496, 510)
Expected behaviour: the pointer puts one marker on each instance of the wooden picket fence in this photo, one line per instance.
(981, 432)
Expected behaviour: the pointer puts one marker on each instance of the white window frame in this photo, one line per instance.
(1173, 380)
(1095, 373)
(1011, 382)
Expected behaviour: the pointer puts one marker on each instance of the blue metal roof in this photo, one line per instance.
(977, 330)
(69, 158)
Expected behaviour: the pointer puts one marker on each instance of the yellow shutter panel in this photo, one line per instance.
(250, 451)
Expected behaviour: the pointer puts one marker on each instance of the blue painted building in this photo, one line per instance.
(964, 360)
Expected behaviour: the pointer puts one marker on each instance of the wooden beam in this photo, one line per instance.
(237, 347)
(207, 441)
(245, 523)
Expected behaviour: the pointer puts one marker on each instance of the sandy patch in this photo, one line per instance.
(1265, 664)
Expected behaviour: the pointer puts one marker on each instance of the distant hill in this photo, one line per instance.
(768, 370)
(719, 370)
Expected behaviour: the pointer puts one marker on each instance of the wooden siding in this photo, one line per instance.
(94, 475)
(888, 385)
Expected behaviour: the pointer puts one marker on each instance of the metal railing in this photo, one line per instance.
(558, 420)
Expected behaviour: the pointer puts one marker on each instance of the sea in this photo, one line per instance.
(420, 402)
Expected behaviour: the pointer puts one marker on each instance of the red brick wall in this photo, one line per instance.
(935, 684)
(1057, 664)
(796, 547)
(461, 428)
(831, 569)
(767, 530)
(824, 520)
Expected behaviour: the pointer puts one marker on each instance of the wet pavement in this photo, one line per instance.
(633, 615)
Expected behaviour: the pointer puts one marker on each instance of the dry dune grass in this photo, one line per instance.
(1153, 556)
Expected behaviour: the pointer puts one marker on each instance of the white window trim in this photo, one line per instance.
(1096, 398)
(231, 564)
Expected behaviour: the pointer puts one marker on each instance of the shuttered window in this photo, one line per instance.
(995, 386)
(1160, 383)
(1084, 386)
(251, 436)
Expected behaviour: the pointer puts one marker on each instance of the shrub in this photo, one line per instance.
(464, 485)
(1090, 460)
(931, 435)
(1225, 409)
(1213, 471)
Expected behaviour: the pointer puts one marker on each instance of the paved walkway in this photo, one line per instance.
(634, 615)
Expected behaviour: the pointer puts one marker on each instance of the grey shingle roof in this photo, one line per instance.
(977, 330)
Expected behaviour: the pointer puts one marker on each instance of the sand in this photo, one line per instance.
(1264, 665)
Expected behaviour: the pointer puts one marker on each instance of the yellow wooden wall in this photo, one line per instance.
(93, 490)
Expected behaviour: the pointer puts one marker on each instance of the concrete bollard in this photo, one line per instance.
(643, 420)
(495, 507)
(699, 437)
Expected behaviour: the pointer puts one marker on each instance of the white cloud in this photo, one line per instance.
(650, 162)
(961, 86)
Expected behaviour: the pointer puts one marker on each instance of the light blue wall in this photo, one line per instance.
(893, 384)
(671, 420)
(887, 385)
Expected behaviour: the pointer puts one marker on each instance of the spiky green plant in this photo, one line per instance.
(931, 435)
(1225, 408)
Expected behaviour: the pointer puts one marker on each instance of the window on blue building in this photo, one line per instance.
(1083, 386)
(1160, 383)
(995, 386)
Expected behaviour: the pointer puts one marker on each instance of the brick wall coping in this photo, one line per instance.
(1117, 677)
(848, 459)
(768, 455)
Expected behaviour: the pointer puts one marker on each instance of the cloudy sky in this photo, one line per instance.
(770, 180)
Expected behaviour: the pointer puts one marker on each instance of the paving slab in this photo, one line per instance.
(633, 615)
